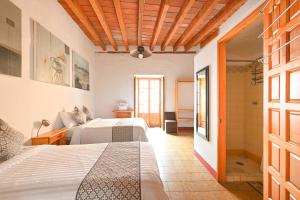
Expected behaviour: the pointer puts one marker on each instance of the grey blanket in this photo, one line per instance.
(123, 131)
(115, 175)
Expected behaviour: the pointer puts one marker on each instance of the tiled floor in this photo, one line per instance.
(185, 178)
(240, 168)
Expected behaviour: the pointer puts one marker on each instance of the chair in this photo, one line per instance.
(170, 122)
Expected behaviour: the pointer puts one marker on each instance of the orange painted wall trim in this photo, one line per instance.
(206, 165)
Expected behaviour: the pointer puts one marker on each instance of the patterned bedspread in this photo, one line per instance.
(122, 131)
(115, 175)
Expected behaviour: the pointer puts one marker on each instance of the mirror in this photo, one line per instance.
(202, 106)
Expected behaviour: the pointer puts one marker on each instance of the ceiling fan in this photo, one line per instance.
(140, 53)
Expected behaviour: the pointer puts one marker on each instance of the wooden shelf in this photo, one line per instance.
(185, 119)
(186, 80)
(185, 110)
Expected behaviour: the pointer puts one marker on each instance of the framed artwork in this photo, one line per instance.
(10, 39)
(81, 74)
(52, 57)
(202, 105)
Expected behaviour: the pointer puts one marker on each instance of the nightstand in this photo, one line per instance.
(52, 137)
(123, 113)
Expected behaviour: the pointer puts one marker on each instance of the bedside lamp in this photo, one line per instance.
(45, 123)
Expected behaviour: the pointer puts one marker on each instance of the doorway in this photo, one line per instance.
(149, 99)
(244, 106)
(281, 110)
(253, 18)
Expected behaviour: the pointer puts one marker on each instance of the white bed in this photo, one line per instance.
(55, 172)
(100, 131)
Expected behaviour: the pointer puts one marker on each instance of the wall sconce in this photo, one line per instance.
(45, 123)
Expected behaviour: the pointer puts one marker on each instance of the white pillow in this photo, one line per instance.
(88, 113)
(11, 141)
(78, 116)
(67, 119)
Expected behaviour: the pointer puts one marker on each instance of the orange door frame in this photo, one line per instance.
(248, 21)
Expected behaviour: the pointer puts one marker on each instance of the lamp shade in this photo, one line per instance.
(45, 122)
(140, 53)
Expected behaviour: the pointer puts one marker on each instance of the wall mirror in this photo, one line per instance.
(202, 106)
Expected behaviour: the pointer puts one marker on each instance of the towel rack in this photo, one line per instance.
(265, 6)
(288, 8)
(257, 73)
(285, 44)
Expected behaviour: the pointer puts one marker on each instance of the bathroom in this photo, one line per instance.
(244, 107)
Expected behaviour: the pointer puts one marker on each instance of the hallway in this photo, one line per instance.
(185, 178)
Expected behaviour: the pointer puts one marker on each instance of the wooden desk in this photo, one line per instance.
(123, 113)
(52, 137)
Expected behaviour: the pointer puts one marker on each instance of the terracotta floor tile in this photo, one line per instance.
(176, 186)
(202, 196)
(185, 178)
(178, 196)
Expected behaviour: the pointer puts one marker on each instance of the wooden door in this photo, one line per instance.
(282, 101)
(148, 93)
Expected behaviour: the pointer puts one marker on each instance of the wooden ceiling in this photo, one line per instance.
(164, 23)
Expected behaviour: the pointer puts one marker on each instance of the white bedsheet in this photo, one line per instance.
(100, 131)
(55, 172)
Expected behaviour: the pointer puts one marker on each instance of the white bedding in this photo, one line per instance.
(55, 172)
(100, 131)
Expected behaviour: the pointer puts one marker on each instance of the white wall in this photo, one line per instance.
(208, 56)
(244, 111)
(23, 101)
(235, 107)
(115, 77)
(254, 121)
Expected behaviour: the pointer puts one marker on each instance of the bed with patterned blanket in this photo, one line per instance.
(126, 170)
(109, 130)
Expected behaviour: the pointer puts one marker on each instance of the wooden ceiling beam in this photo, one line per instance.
(119, 13)
(200, 17)
(101, 18)
(208, 39)
(213, 24)
(140, 22)
(78, 13)
(179, 18)
(164, 6)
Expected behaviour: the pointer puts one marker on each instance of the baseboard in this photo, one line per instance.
(242, 152)
(206, 165)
